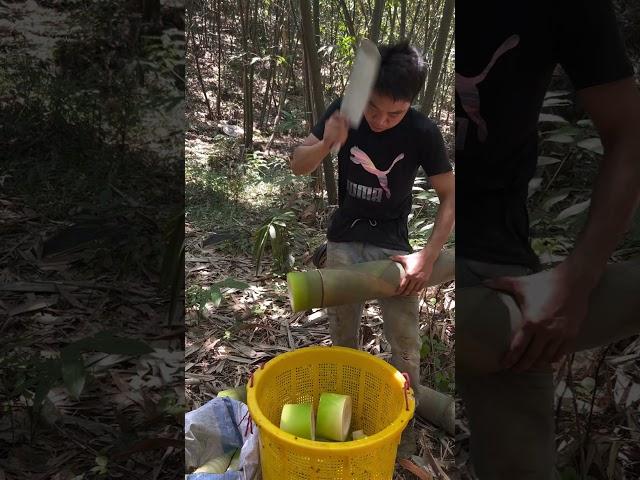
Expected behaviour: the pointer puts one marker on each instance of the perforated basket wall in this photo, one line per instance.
(381, 408)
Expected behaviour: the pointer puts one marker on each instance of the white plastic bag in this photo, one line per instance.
(218, 428)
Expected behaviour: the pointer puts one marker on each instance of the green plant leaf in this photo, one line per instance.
(556, 102)
(548, 117)
(553, 200)
(592, 144)
(573, 210)
(215, 297)
(544, 161)
(261, 239)
(425, 350)
(556, 93)
(586, 122)
(74, 374)
(569, 474)
(559, 138)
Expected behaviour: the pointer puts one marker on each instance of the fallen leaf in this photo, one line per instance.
(33, 305)
(413, 468)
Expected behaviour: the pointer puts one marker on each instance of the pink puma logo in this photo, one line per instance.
(467, 88)
(360, 158)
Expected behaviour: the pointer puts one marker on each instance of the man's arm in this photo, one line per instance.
(615, 111)
(554, 303)
(419, 265)
(444, 185)
(308, 156)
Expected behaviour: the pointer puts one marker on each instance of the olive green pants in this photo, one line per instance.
(511, 415)
(400, 314)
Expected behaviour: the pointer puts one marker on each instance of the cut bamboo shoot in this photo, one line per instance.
(298, 420)
(235, 462)
(216, 465)
(238, 393)
(334, 416)
(357, 283)
(486, 319)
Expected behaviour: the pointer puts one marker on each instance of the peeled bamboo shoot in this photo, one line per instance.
(298, 420)
(334, 416)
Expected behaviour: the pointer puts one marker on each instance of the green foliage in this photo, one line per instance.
(33, 376)
(274, 169)
(569, 473)
(199, 296)
(172, 269)
(433, 350)
(212, 187)
(102, 464)
(559, 194)
(292, 122)
(423, 212)
(278, 234)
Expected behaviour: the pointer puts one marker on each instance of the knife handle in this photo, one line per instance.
(335, 149)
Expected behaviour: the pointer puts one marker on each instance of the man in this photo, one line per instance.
(377, 165)
(505, 56)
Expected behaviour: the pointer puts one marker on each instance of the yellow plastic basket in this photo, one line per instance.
(383, 404)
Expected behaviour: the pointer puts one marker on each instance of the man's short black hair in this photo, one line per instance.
(402, 71)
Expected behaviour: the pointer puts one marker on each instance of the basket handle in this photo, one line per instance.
(407, 382)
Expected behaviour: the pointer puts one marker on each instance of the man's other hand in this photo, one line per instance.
(554, 304)
(417, 268)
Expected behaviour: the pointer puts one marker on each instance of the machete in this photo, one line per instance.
(363, 76)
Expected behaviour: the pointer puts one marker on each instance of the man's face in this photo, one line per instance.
(383, 112)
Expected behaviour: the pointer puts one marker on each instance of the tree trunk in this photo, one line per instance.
(308, 102)
(365, 11)
(432, 26)
(205, 28)
(247, 73)
(316, 90)
(348, 20)
(415, 18)
(284, 87)
(438, 56)
(443, 79)
(196, 53)
(219, 28)
(392, 29)
(311, 112)
(270, 76)
(333, 41)
(267, 91)
(316, 22)
(376, 21)
(403, 19)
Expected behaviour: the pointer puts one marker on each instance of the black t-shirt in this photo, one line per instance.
(506, 52)
(376, 172)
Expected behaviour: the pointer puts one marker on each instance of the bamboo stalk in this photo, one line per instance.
(356, 283)
(486, 318)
